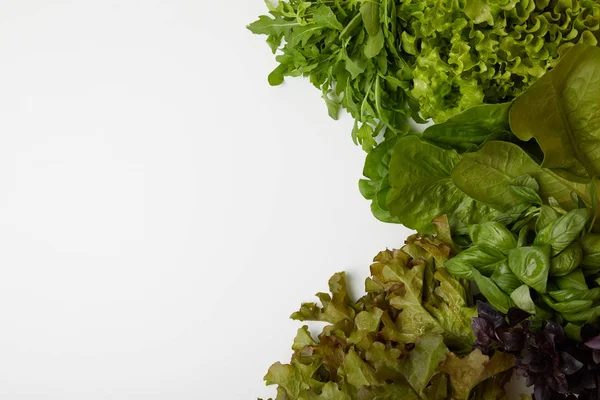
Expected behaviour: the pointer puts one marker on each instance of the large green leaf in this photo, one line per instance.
(561, 112)
(472, 127)
(423, 361)
(488, 175)
(422, 188)
(531, 265)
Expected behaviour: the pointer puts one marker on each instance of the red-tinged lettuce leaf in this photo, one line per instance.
(390, 343)
(466, 373)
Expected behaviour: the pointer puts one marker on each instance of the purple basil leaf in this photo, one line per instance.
(596, 356)
(554, 333)
(516, 315)
(569, 364)
(593, 343)
(512, 340)
(489, 313)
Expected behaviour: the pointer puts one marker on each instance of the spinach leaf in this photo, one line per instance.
(561, 112)
(531, 265)
(377, 186)
(469, 129)
(422, 189)
(488, 175)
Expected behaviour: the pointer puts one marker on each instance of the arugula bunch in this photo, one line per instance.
(409, 337)
(386, 60)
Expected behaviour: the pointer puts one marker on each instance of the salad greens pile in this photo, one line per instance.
(481, 163)
(409, 337)
(385, 60)
(502, 191)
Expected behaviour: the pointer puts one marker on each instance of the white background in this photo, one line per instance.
(162, 209)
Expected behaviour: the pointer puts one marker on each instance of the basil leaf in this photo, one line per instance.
(575, 280)
(504, 278)
(522, 298)
(493, 237)
(562, 232)
(497, 298)
(567, 261)
(568, 307)
(590, 244)
(463, 263)
(531, 265)
(547, 216)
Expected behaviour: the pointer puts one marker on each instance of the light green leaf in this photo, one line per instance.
(370, 16)
(562, 232)
(423, 190)
(423, 361)
(325, 17)
(522, 298)
(493, 237)
(531, 265)
(561, 112)
(374, 45)
(487, 176)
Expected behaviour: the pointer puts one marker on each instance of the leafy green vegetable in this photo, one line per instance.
(531, 265)
(562, 232)
(422, 189)
(384, 60)
(468, 372)
(567, 261)
(423, 361)
(561, 112)
(489, 174)
(408, 337)
(469, 129)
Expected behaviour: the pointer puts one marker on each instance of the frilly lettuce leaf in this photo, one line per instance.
(392, 342)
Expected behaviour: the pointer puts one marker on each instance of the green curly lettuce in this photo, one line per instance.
(387, 60)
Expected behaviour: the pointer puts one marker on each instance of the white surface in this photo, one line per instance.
(163, 210)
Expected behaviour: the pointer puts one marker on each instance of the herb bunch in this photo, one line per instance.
(557, 366)
(385, 60)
